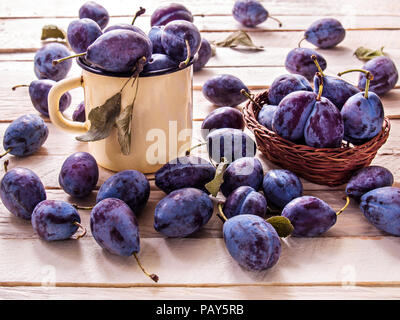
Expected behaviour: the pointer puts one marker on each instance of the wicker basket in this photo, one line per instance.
(328, 166)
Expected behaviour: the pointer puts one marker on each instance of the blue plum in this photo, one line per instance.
(114, 227)
(82, 33)
(79, 113)
(158, 62)
(79, 174)
(154, 35)
(285, 84)
(224, 117)
(252, 242)
(281, 186)
(119, 51)
(43, 62)
(55, 220)
(203, 55)
(266, 115)
(309, 216)
(184, 172)
(363, 117)
(230, 143)
(385, 75)
(130, 186)
(242, 172)
(325, 33)
(382, 208)
(96, 12)
(174, 11)
(182, 212)
(299, 61)
(126, 26)
(250, 13)
(174, 37)
(20, 191)
(368, 179)
(245, 200)
(224, 90)
(25, 135)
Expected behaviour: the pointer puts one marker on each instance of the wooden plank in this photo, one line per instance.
(20, 8)
(198, 262)
(196, 293)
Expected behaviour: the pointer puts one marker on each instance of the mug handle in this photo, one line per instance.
(56, 117)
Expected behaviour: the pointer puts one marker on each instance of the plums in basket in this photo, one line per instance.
(79, 113)
(325, 33)
(252, 242)
(309, 216)
(25, 135)
(224, 117)
(250, 13)
(55, 220)
(368, 179)
(155, 34)
(382, 208)
(203, 55)
(246, 171)
(43, 62)
(79, 174)
(385, 75)
(96, 12)
(281, 186)
(174, 11)
(298, 61)
(119, 50)
(183, 212)
(184, 172)
(266, 115)
(245, 200)
(231, 144)
(175, 37)
(130, 186)
(82, 33)
(20, 191)
(224, 90)
(285, 84)
(158, 62)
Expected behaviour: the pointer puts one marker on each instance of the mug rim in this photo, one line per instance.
(82, 63)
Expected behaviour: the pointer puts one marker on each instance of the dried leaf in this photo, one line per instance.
(214, 185)
(53, 32)
(238, 39)
(124, 127)
(282, 225)
(213, 50)
(365, 54)
(102, 119)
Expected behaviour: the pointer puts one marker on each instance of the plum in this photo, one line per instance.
(159, 62)
(325, 33)
(154, 35)
(174, 11)
(96, 12)
(43, 62)
(224, 117)
(182, 212)
(20, 191)
(250, 13)
(285, 84)
(299, 61)
(224, 90)
(82, 33)
(203, 55)
(79, 113)
(281, 186)
(266, 115)
(245, 200)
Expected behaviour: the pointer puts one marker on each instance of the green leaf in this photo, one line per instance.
(102, 119)
(365, 54)
(124, 127)
(282, 225)
(53, 32)
(214, 185)
(238, 39)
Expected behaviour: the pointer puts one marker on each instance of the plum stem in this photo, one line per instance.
(195, 147)
(6, 163)
(138, 14)
(321, 85)
(5, 153)
(314, 58)
(250, 97)
(345, 206)
(84, 230)
(368, 75)
(277, 20)
(299, 44)
(152, 276)
(20, 86)
(82, 208)
(221, 212)
(55, 62)
(189, 53)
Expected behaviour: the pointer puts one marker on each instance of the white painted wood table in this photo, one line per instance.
(352, 260)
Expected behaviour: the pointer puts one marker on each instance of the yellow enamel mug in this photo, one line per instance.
(161, 119)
